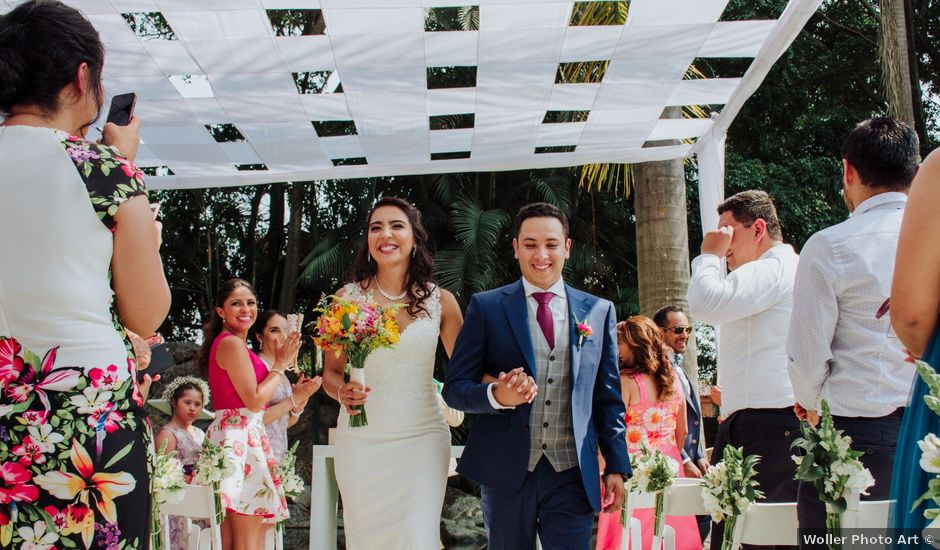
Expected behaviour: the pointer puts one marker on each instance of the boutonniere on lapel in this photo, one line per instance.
(584, 331)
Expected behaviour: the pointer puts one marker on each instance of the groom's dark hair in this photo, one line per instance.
(539, 210)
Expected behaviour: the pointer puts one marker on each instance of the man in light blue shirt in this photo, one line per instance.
(841, 350)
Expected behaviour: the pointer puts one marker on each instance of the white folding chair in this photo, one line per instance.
(684, 498)
(633, 532)
(867, 513)
(768, 524)
(198, 503)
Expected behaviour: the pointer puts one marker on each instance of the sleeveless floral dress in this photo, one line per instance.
(255, 488)
(651, 423)
(76, 447)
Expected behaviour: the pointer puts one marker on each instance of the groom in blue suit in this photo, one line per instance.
(537, 463)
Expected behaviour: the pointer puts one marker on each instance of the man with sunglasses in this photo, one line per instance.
(752, 305)
(841, 349)
(676, 330)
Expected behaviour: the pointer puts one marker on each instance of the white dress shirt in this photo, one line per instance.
(838, 350)
(752, 305)
(559, 308)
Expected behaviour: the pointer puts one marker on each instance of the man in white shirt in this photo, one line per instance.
(752, 305)
(840, 350)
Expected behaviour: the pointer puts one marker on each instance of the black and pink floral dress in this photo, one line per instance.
(75, 446)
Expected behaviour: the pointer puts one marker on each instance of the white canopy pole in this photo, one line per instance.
(711, 179)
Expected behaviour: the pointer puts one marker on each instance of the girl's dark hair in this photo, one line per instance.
(213, 327)
(650, 357)
(420, 274)
(261, 322)
(178, 392)
(42, 43)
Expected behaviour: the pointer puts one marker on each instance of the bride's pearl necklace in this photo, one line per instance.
(388, 296)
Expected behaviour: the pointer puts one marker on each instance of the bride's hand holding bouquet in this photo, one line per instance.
(355, 327)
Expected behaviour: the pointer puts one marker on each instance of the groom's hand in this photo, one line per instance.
(614, 490)
(515, 388)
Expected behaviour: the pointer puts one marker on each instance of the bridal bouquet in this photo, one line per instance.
(212, 466)
(832, 467)
(356, 327)
(729, 487)
(654, 473)
(168, 485)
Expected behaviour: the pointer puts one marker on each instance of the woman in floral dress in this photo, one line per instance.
(80, 262)
(655, 418)
(241, 386)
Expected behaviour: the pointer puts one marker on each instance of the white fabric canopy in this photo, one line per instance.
(225, 65)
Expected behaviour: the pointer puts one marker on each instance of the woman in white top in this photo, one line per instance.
(81, 262)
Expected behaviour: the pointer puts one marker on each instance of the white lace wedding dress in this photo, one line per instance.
(392, 473)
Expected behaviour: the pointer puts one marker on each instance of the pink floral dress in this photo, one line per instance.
(255, 489)
(75, 445)
(651, 423)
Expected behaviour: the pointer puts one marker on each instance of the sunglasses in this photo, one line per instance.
(679, 330)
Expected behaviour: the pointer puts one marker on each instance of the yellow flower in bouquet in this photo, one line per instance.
(356, 327)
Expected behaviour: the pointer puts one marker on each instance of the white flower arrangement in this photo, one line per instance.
(729, 487)
(167, 485)
(930, 449)
(830, 464)
(212, 466)
(654, 473)
(293, 484)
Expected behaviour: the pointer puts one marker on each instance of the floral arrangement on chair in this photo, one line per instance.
(168, 481)
(653, 473)
(356, 327)
(930, 446)
(832, 467)
(293, 484)
(212, 466)
(729, 487)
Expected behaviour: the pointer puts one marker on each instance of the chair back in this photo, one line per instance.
(684, 498)
(768, 524)
(198, 503)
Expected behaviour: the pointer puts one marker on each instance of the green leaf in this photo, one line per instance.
(105, 169)
(120, 454)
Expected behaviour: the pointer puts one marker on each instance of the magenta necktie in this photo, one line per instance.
(544, 316)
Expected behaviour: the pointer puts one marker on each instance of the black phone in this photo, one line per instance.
(122, 108)
(161, 359)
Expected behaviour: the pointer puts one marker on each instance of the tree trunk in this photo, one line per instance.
(275, 243)
(292, 248)
(662, 239)
(251, 238)
(895, 66)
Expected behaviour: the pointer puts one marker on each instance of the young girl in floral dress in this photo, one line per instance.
(655, 418)
(241, 385)
(186, 395)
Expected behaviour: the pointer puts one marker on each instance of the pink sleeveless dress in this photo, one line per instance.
(254, 489)
(652, 423)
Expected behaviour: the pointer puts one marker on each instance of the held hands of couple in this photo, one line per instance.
(515, 388)
(809, 415)
(718, 241)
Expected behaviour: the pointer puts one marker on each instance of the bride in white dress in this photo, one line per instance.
(392, 473)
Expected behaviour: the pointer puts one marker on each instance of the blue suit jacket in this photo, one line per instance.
(691, 449)
(495, 338)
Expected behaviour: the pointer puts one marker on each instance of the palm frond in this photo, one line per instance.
(469, 18)
(476, 228)
(327, 261)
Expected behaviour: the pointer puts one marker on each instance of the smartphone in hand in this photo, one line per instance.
(161, 359)
(122, 108)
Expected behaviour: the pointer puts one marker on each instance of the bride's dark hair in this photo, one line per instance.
(420, 275)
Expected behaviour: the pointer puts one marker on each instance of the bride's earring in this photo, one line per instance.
(414, 251)
(369, 256)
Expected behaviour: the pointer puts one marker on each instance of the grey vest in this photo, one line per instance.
(551, 430)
